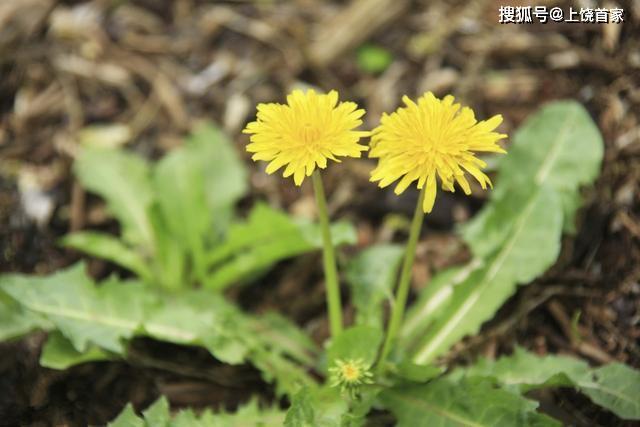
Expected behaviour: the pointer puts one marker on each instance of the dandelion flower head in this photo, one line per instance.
(349, 375)
(432, 140)
(302, 134)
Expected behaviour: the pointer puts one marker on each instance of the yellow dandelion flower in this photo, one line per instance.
(305, 132)
(432, 139)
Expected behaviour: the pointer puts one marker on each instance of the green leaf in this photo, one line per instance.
(83, 313)
(206, 319)
(560, 148)
(532, 246)
(127, 418)
(372, 275)
(179, 185)
(524, 371)
(170, 258)
(614, 386)
(250, 414)
(158, 415)
(417, 373)
(301, 413)
(357, 342)
(360, 408)
(59, 353)
(100, 320)
(318, 407)
(434, 299)
(288, 376)
(123, 180)
(374, 59)
(286, 336)
(15, 321)
(263, 225)
(225, 174)
(446, 403)
(200, 318)
(267, 237)
(185, 418)
(108, 247)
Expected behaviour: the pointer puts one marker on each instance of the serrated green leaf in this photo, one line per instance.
(158, 415)
(301, 413)
(59, 353)
(614, 386)
(318, 407)
(108, 247)
(123, 180)
(445, 403)
(83, 313)
(372, 275)
(104, 318)
(200, 318)
(185, 418)
(532, 247)
(286, 336)
(250, 414)
(267, 237)
(206, 319)
(289, 377)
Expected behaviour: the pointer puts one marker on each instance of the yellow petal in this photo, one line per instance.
(430, 194)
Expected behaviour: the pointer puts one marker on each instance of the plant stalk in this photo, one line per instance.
(329, 259)
(402, 292)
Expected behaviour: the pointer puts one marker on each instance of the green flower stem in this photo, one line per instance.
(329, 259)
(397, 310)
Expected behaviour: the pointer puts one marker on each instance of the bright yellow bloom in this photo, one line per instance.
(305, 132)
(433, 138)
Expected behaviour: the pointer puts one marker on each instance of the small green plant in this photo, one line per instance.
(388, 365)
(177, 217)
(373, 59)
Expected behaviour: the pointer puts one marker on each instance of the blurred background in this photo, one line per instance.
(141, 73)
